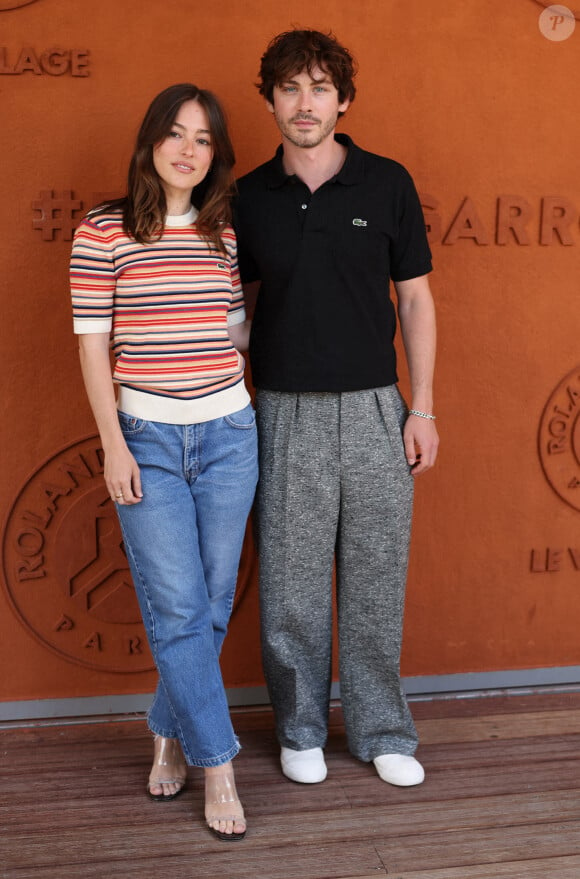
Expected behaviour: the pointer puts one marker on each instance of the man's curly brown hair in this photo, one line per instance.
(293, 51)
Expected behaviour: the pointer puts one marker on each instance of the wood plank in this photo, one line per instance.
(457, 705)
(185, 849)
(491, 845)
(559, 868)
(123, 790)
(443, 784)
(488, 728)
(379, 823)
(496, 753)
(499, 726)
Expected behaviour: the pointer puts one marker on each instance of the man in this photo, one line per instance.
(323, 226)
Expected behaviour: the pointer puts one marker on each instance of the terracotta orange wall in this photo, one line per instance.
(479, 105)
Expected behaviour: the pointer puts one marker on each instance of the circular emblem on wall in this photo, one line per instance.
(559, 439)
(65, 568)
(14, 4)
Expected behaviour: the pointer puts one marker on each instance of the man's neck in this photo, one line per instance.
(314, 165)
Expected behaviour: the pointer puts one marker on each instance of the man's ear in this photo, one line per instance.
(270, 106)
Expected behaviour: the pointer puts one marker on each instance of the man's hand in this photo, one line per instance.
(421, 443)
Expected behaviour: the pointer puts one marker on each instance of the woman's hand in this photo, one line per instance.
(122, 476)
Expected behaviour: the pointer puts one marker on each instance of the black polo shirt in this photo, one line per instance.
(324, 320)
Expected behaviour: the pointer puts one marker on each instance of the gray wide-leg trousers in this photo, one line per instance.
(334, 482)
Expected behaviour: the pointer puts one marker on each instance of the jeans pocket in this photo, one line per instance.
(245, 419)
(130, 425)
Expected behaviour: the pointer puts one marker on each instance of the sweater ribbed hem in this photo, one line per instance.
(168, 410)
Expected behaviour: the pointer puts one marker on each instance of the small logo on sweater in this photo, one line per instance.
(221, 265)
(358, 222)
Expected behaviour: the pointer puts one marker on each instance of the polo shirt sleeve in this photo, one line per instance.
(410, 254)
(92, 280)
(247, 267)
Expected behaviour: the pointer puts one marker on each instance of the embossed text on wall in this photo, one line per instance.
(553, 219)
(54, 61)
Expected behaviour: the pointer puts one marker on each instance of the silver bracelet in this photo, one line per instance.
(422, 414)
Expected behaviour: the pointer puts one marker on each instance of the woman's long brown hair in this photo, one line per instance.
(144, 207)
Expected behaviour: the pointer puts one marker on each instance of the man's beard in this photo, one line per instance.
(306, 139)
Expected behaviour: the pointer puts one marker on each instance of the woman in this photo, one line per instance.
(180, 441)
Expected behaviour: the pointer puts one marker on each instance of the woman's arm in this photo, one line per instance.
(122, 475)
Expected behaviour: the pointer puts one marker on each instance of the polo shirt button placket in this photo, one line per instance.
(302, 212)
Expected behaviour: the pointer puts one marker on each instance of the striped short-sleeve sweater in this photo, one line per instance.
(168, 305)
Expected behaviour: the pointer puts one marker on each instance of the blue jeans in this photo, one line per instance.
(183, 543)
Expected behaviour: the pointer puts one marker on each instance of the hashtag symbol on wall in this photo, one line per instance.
(57, 214)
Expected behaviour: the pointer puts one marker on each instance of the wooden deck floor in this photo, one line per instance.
(501, 799)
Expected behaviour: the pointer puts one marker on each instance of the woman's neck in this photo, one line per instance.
(178, 203)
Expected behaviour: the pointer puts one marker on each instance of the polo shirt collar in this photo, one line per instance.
(351, 172)
(353, 169)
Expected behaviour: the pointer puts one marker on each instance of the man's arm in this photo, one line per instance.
(240, 335)
(417, 318)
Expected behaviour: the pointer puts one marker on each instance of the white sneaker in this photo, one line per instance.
(307, 767)
(399, 769)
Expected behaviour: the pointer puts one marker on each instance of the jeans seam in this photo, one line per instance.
(154, 644)
(145, 591)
